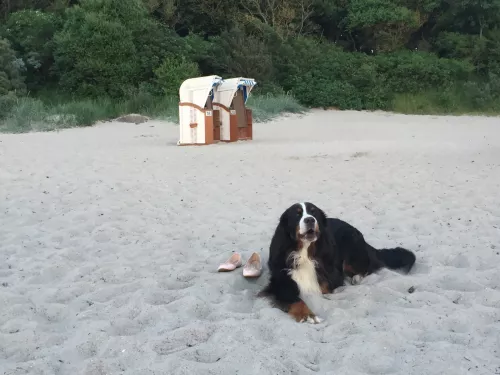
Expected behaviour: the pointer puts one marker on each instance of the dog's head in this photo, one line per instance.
(303, 222)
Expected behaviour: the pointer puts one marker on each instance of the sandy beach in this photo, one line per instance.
(110, 238)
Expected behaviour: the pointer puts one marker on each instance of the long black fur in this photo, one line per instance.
(363, 258)
(340, 251)
(281, 288)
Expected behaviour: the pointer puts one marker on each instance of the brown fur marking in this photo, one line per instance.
(325, 289)
(297, 235)
(311, 251)
(299, 311)
(348, 268)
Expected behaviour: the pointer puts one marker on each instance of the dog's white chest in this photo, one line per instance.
(304, 273)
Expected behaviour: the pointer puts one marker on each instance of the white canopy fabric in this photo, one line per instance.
(196, 90)
(227, 89)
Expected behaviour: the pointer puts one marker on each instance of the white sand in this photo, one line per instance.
(110, 239)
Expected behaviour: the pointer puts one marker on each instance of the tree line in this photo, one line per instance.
(349, 54)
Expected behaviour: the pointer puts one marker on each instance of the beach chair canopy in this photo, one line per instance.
(196, 90)
(227, 89)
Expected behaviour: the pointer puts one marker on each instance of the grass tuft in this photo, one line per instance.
(53, 113)
(267, 107)
(468, 98)
(32, 114)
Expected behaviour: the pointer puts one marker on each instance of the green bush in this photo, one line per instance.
(7, 102)
(371, 16)
(110, 47)
(329, 77)
(31, 35)
(492, 51)
(236, 53)
(11, 68)
(173, 71)
(459, 46)
(471, 48)
(289, 61)
(412, 72)
(95, 56)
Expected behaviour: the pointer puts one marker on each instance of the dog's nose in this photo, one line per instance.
(309, 220)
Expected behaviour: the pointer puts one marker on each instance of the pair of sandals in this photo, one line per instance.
(251, 269)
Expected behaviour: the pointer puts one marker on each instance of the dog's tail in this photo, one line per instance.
(396, 259)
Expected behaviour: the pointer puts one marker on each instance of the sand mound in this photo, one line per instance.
(133, 118)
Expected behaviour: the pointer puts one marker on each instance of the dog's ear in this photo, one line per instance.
(284, 219)
(285, 225)
(281, 243)
(321, 216)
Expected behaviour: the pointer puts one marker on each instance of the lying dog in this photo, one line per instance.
(313, 254)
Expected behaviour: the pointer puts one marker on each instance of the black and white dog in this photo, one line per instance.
(313, 254)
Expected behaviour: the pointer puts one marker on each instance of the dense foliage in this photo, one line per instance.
(11, 80)
(356, 54)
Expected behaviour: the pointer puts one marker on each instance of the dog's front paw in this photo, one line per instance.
(301, 313)
(313, 319)
(356, 279)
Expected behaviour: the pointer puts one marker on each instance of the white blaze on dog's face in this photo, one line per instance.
(308, 228)
(303, 222)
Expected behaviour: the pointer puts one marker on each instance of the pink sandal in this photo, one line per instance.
(253, 267)
(231, 264)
